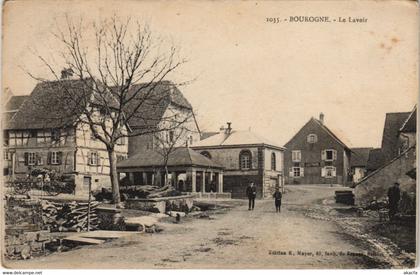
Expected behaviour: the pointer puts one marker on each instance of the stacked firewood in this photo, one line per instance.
(148, 191)
(69, 216)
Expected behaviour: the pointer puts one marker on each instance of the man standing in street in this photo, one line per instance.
(393, 199)
(251, 192)
(277, 199)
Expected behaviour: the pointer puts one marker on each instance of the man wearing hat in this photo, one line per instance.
(393, 199)
(251, 192)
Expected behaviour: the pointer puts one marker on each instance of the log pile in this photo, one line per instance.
(140, 192)
(69, 216)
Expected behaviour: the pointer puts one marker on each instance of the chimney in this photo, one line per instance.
(66, 73)
(321, 118)
(229, 128)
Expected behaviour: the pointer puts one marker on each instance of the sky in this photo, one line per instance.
(267, 77)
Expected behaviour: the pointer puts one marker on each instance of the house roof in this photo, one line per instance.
(393, 123)
(182, 156)
(375, 159)
(205, 135)
(14, 103)
(52, 104)
(153, 98)
(12, 106)
(410, 124)
(235, 138)
(360, 157)
(336, 134)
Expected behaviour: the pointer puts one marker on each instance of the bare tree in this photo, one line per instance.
(168, 141)
(120, 70)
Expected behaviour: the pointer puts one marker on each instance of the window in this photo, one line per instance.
(55, 135)
(5, 138)
(7, 155)
(312, 138)
(206, 154)
(296, 155)
(43, 136)
(121, 141)
(329, 155)
(39, 160)
(18, 138)
(93, 158)
(329, 172)
(273, 161)
(55, 158)
(30, 158)
(245, 160)
(296, 172)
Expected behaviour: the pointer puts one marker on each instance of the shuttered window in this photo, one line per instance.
(30, 158)
(329, 155)
(93, 158)
(328, 172)
(296, 172)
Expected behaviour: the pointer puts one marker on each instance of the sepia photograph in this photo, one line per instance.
(209, 134)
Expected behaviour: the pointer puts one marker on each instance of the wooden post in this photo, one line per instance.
(221, 182)
(88, 214)
(193, 181)
(203, 182)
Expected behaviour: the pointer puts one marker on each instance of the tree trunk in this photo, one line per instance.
(114, 175)
(166, 175)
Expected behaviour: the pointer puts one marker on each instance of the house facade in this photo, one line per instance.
(34, 137)
(315, 155)
(245, 157)
(171, 122)
(358, 163)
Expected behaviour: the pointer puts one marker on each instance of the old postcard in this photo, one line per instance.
(209, 134)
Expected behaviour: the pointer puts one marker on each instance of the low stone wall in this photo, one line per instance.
(161, 205)
(375, 186)
(213, 195)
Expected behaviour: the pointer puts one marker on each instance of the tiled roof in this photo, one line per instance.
(182, 156)
(234, 138)
(205, 135)
(375, 159)
(360, 157)
(336, 134)
(14, 103)
(52, 104)
(409, 126)
(393, 123)
(153, 98)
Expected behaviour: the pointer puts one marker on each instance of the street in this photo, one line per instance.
(236, 238)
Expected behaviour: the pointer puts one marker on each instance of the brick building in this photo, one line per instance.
(245, 157)
(316, 155)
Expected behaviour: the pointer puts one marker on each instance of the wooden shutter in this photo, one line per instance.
(49, 158)
(98, 159)
(59, 157)
(26, 158)
(291, 172)
(323, 172)
(302, 171)
(88, 158)
(334, 154)
(323, 155)
(334, 172)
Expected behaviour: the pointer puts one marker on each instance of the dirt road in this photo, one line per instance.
(237, 238)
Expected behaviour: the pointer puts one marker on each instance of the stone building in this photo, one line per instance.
(400, 139)
(42, 131)
(315, 155)
(245, 157)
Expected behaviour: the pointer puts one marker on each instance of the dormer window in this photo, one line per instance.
(312, 138)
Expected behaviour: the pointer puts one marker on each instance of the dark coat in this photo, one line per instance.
(251, 192)
(394, 195)
(277, 195)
